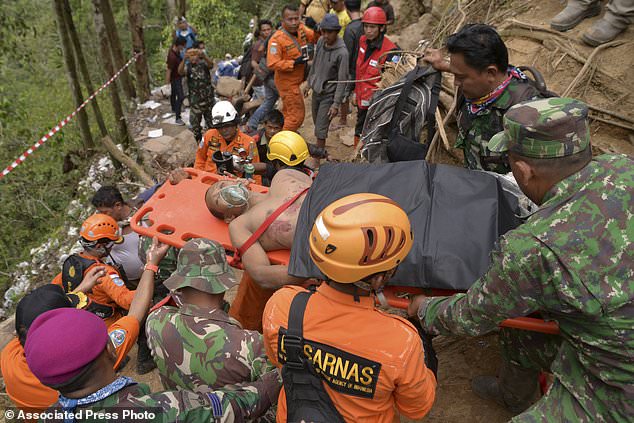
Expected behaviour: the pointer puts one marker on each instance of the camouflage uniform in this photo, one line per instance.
(201, 96)
(572, 262)
(194, 347)
(237, 403)
(474, 131)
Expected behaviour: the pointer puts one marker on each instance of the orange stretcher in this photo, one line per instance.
(177, 213)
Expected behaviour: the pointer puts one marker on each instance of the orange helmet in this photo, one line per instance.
(358, 236)
(100, 226)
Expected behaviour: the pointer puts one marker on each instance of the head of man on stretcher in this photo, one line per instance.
(246, 211)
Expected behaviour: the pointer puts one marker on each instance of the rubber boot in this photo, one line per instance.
(573, 14)
(144, 361)
(601, 32)
(515, 388)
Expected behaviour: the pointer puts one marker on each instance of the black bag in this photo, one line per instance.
(397, 116)
(306, 398)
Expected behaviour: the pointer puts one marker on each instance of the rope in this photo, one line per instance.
(64, 121)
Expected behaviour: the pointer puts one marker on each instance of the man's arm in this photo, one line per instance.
(145, 289)
(416, 390)
(435, 58)
(234, 403)
(256, 262)
(201, 155)
(512, 287)
(342, 75)
(181, 65)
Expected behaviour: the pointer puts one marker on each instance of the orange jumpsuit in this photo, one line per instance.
(282, 51)
(111, 290)
(373, 362)
(28, 393)
(213, 141)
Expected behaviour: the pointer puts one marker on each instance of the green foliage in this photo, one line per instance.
(221, 24)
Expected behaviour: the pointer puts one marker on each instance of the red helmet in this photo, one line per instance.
(374, 15)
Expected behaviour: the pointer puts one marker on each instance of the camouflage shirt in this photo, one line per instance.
(572, 262)
(474, 131)
(238, 403)
(195, 348)
(201, 92)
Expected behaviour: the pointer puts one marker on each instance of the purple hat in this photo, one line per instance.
(62, 342)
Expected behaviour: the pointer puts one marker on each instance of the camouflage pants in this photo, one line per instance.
(530, 353)
(196, 113)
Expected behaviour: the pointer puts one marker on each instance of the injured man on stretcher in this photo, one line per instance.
(456, 214)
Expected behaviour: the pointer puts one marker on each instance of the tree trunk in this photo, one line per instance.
(135, 17)
(115, 48)
(127, 161)
(172, 11)
(79, 55)
(122, 126)
(73, 80)
(181, 7)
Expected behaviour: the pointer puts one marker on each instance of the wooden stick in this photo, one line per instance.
(250, 84)
(587, 65)
(125, 160)
(611, 113)
(434, 141)
(611, 122)
(541, 36)
(441, 129)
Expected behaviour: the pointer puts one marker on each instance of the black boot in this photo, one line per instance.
(144, 361)
(515, 389)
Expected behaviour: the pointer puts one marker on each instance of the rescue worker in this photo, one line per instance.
(386, 7)
(225, 136)
(370, 363)
(618, 16)
(572, 262)
(197, 66)
(487, 87)
(288, 55)
(24, 389)
(373, 47)
(197, 345)
(73, 352)
(98, 234)
(330, 64)
(108, 200)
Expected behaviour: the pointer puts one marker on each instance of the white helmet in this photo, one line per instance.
(223, 113)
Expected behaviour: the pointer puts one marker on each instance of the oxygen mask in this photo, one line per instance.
(235, 195)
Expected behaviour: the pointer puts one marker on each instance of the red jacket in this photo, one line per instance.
(370, 68)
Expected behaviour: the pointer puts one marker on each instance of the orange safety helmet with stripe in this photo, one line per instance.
(358, 236)
(100, 226)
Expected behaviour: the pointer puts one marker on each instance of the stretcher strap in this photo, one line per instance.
(263, 227)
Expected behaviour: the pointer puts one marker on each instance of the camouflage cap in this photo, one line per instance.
(202, 265)
(544, 128)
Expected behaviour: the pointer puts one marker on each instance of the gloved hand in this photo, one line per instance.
(300, 60)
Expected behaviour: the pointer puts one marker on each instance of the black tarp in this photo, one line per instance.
(456, 215)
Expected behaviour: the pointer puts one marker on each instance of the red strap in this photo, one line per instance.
(263, 227)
